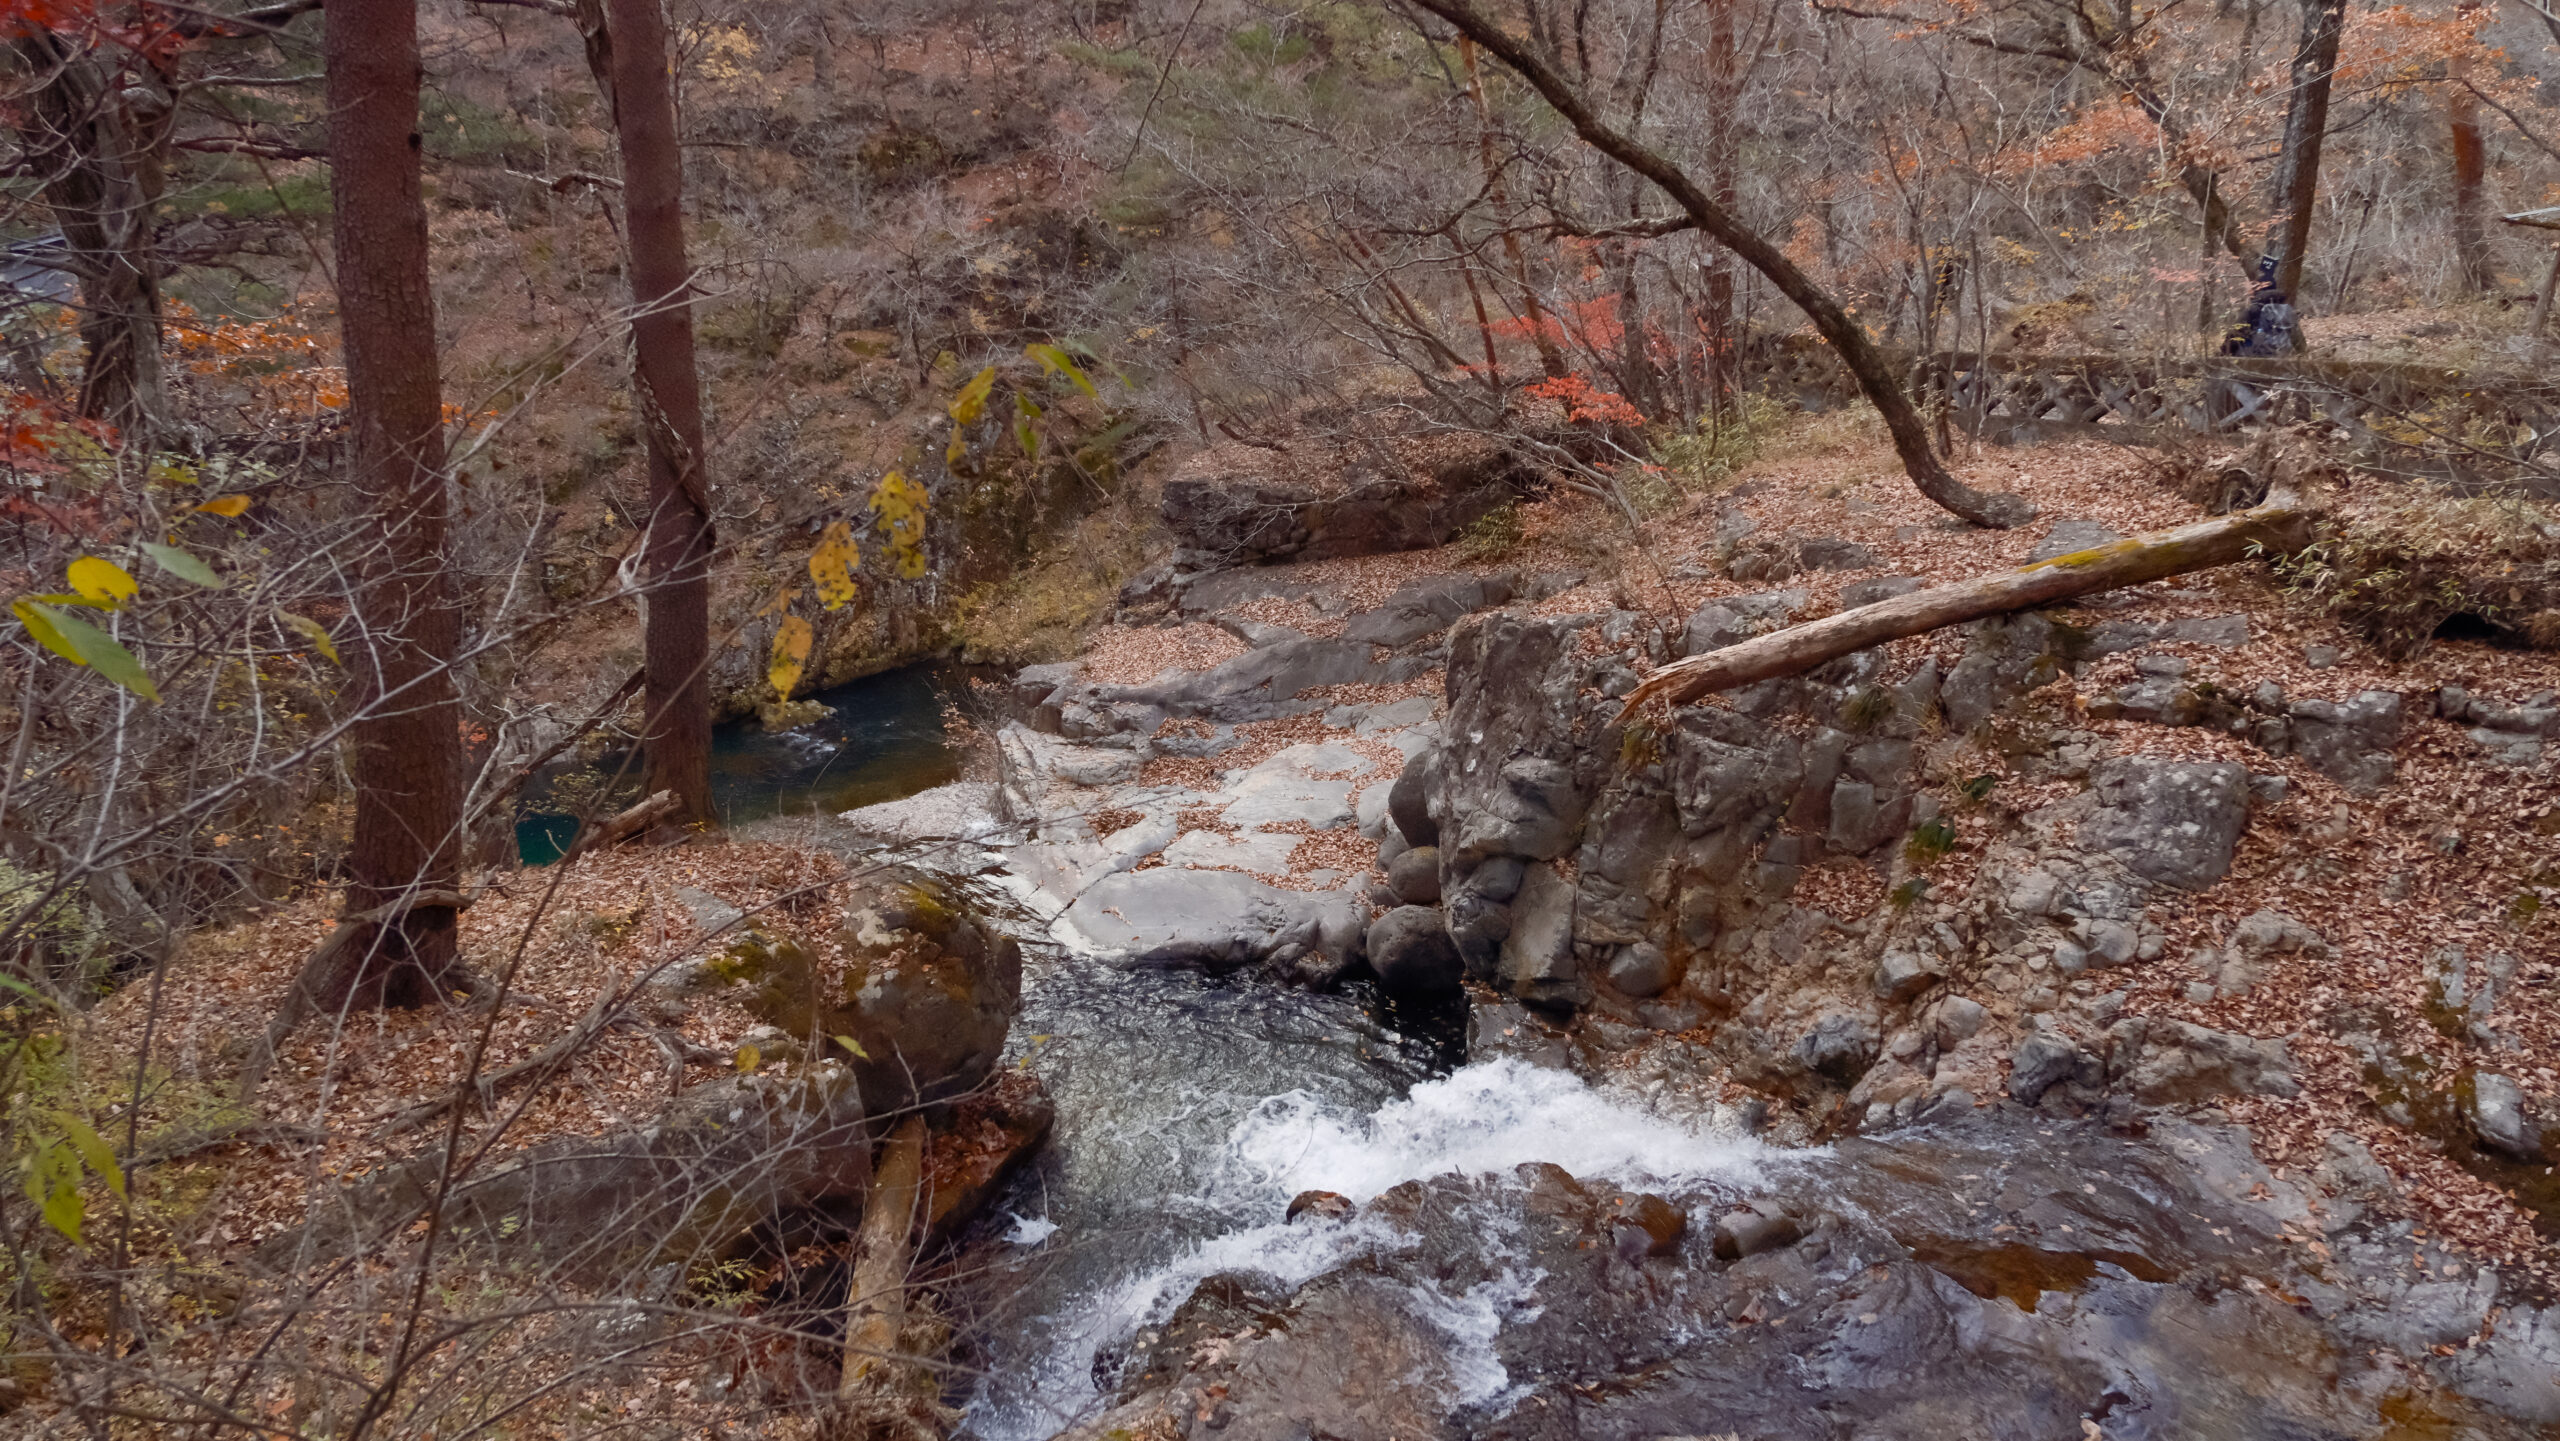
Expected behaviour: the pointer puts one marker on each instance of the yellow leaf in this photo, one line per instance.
(790, 654)
(103, 581)
(225, 505)
(312, 631)
(901, 504)
(971, 402)
(749, 1058)
(832, 564)
(850, 1044)
(779, 603)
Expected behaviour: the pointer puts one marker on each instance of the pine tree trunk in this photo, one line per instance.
(627, 45)
(2306, 122)
(408, 743)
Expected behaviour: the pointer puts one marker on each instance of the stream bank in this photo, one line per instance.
(2020, 1022)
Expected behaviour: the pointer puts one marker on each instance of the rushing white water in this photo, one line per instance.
(1486, 1118)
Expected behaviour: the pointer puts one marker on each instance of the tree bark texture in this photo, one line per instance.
(1910, 433)
(2280, 525)
(2470, 185)
(95, 146)
(2306, 122)
(408, 760)
(629, 51)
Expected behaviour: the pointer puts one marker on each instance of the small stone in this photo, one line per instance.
(1321, 1205)
(2199, 992)
(2041, 1061)
(2320, 657)
(1750, 1231)
(1902, 975)
(1660, 1223)
(2268, 790)
(2069, 958)
(1959, 1020)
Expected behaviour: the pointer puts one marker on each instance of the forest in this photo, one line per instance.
(1109, 719)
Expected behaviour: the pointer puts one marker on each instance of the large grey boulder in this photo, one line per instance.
(928, 991)
(1533, 809)
(2175, 822)
(1720, 623)
(1426, 608)
(1728, 771)
(2004, 657)
(2350, 742)
(1413, 955)
(1196, 919)
(2496, 1111)
(1537, 956)
(1409, 800)
(2166, 1062)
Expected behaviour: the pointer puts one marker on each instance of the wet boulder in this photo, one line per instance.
(1409, 800)
(1412, 954)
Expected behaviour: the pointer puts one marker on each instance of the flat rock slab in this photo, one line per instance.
(962, 810)
(1178, 918)
(1265, 852)
(1309, 782)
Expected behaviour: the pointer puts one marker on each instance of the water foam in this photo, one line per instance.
(1486, 1118)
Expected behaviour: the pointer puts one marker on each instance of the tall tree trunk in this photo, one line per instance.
(1724, 379)
(94, 144)
(1549, 356)
(408, 742)
(2306, 122)
(2470, 176)
(627, 46)
(1875, 377)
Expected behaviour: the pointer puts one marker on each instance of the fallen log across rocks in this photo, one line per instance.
(2280, 526)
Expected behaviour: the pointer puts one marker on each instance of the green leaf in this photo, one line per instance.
(850, 1044)
(93, 1148)
(53, 1184)
(1056, 362)
(182, 565)
(312, 631)
(81, 643)
(12, 983)
(39, 619)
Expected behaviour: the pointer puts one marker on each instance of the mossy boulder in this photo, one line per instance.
(916, 990)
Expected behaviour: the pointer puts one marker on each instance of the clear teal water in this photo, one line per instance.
(885, 740)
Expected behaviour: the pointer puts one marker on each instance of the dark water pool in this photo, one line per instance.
(885, 740)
